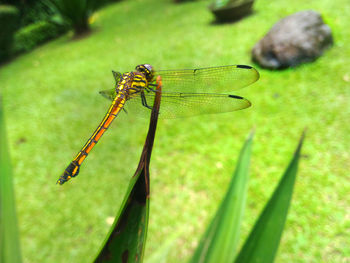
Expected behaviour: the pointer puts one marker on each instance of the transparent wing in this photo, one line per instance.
(109, 93)
(117, 75)
(203, 80)
(177, 105)
(208, 80)
(189, 92)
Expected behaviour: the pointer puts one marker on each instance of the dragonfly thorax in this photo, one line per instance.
(131, 84)
(147, 70)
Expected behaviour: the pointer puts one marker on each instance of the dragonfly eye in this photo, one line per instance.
(147, 69)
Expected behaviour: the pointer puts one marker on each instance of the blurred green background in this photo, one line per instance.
(52, 106)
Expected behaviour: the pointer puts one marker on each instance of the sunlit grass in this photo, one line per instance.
(52, 106)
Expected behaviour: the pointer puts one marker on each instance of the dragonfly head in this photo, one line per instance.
(146, 69)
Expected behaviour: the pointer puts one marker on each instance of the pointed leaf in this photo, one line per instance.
(262, 243)
(127, 238)
(219, 244)
(9, 241)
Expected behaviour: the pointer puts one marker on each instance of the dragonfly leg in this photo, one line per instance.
(144, 101)
(148, 89)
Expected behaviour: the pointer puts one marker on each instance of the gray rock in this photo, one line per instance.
(301, 37)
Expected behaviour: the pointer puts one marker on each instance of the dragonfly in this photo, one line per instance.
(185, 92)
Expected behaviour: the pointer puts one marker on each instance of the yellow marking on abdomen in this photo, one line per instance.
(112, 112)
(73, 168)
(130, 84)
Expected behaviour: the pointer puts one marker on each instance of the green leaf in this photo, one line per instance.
(74, 12)
(219, 244)
(125, 242)
(9, 242)
(127, 238)
(263, 241)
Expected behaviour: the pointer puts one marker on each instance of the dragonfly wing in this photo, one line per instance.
(109, 93)
(177, 105)
(208, 80)
(116, 75)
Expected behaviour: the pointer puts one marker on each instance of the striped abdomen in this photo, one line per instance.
(129, 85)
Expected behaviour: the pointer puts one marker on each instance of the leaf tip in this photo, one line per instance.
(251, 134)
(301, 141)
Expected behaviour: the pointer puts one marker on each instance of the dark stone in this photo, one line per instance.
(233, 11)
(298, 38)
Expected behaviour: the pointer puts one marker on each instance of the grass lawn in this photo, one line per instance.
(52, 106)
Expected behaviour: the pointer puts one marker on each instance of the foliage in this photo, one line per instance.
(30, 11)
(264, 239)
(220, 242)
(9, 241)
(35, 11)
(35, 34)
(127, 237)
(8, 23)
(102, 3)
(75, 13)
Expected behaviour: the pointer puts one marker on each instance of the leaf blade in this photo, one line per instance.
(220, 242)
(263, 241)
(9, 238)
(126, 240)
